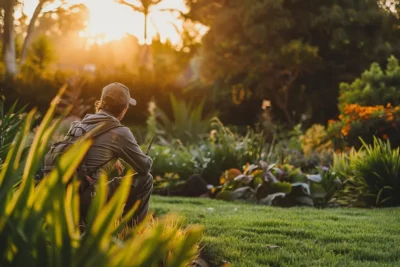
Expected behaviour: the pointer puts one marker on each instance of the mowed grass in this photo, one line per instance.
(252, 235)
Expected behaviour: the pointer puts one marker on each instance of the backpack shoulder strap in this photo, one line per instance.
(105, 128)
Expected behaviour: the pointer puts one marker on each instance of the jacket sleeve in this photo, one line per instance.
(132, 154)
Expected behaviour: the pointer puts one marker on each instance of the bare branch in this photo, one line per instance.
(172, 10)
(134, 7)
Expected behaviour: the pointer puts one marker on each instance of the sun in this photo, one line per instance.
(110, 21)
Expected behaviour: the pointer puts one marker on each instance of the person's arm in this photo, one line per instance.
(132, 154)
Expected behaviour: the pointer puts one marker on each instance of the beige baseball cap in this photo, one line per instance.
(119, 93)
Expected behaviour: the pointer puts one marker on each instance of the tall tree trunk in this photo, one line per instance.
(9, 40)
(30, 31)
(145, 26)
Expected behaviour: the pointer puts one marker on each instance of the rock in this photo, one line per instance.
(195, 186)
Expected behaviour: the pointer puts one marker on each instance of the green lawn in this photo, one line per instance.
(250, 235)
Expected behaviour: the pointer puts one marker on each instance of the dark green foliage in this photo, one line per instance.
(280, 185)
(308, 163)
(188, 123)
(354, 187)
(292, 52)
(172, 159)
(371, 176)
(330, 184)
(289, 149)
(369, 108)
(380, 169)
(375, 86)
(225, 149)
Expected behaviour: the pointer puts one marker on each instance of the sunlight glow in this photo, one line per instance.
(111, 21)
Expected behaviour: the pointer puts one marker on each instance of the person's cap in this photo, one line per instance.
(118, 93)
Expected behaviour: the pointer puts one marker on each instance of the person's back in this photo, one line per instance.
(107, 148)
(112, 145)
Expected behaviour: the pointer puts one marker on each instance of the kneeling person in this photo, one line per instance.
(111, 143)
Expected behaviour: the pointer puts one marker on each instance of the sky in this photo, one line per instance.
(111, 21)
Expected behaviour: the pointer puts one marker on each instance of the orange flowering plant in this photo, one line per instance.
(369, 106)
(365, 122)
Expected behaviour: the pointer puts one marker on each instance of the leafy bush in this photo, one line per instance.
(307, 163)
(374, 87)
(225, 149)
(39, 225)
(366, 122)
(369, 107)
(188, 124)
(354, 187)
(222, 150)
(315, 139)
(282, 185)
(380, 169)
(302, 149)
(371, 176)
(172, 159)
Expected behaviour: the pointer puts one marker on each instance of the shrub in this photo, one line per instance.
(374, 87)
(354, 187)
(379, 167)
(225, 149)
(308, 163)
(172, 159)
(369, 107)
(281, 185)
(367, 122)
(188, 123)
(303, 150)
(371, 176)
(315, 139)
(39, 225)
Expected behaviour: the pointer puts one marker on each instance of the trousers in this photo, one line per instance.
(141, 188)
(140, 191)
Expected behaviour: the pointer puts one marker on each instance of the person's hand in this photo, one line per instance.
(120, 168)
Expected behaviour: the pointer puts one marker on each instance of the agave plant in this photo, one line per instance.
(188, 124)
(39, 224)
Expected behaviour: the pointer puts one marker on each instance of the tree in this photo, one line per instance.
(41, 53)
(9, 38)
(31, 27)
(9, 34)
(376, 86)
(144, 8)
(292, 52)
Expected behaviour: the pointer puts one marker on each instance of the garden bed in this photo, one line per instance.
(253, 235)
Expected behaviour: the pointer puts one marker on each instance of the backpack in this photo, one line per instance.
(83, 173)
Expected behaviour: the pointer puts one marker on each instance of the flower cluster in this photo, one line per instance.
(355, 111)
(365, 122)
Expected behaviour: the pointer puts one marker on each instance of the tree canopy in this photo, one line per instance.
(294, 53)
